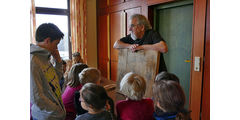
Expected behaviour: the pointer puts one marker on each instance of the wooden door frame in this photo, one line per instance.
(205, 107)
(198, 37)
(199, 13)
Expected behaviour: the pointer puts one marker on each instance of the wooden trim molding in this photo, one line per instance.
(121, 6)
(108, 44)
(199, 15)
(155, 2)
(205, 107)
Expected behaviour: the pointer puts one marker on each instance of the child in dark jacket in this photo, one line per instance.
(169, 100)
(94, 99)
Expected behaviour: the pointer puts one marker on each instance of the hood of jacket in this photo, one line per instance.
(34, 49)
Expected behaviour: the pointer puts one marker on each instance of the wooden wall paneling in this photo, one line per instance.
(130, 12)
(199, 14)
(114, 2)
(154, 2)
(205, 109)
(125, 5)
(117, 31)
(103, 11)
(150, 15)
(102, 37)
(102, 66)
(102, 3)
(144, 8)
(103, 57)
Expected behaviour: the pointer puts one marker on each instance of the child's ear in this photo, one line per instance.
(90, 106)
(107, 106)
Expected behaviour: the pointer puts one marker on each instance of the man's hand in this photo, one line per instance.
(161, 47)
(133, 47)
(56, 55)
(140, 47)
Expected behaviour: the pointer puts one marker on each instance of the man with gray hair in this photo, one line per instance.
(142, 37)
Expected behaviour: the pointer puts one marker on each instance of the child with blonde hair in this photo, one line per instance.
(88, 75)
(135, 107)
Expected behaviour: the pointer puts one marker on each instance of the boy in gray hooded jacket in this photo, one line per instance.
(45, 91)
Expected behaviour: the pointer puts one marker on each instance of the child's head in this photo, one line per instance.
(168, 96)
(73, 74)
(90, 75)
(77, 58)
(166, 76)
(93, 96)
(68, 65)
(133, 86)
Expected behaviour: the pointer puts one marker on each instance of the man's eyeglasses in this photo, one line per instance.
(132, 25)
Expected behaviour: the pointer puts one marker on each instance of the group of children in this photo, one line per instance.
(85, 99)
(83, 96)
(80, 95)
(167, 102)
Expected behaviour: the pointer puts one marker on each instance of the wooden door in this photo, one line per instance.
(103, 57)
(117, 31)
(174, 23)
(102, 3)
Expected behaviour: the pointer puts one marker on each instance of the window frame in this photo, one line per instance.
(59, 11)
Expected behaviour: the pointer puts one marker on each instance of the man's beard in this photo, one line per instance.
(133, 36)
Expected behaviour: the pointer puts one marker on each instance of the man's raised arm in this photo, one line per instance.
(160, 46)
(120, 44)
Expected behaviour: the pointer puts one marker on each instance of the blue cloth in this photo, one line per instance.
(164, 116)
(61, 82)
